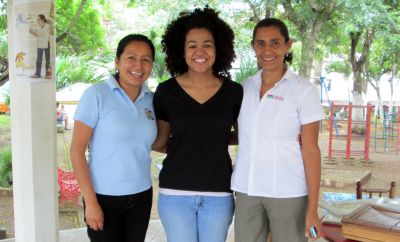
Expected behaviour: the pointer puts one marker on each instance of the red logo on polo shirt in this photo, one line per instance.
(275, 97)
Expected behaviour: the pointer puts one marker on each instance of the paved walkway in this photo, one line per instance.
(155, 233)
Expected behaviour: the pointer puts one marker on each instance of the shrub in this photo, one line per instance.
(6, 167)
(247, 68)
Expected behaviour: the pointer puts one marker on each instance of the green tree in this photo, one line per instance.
(354, 31)
(309, 17)
(369, 19)
(80, 28)
(383, 60)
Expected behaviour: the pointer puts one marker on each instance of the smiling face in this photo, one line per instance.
(199, 50)
(270, 48)
(134, 65)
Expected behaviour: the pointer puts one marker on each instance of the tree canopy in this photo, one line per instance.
(363, 34)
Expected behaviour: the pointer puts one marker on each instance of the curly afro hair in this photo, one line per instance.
(173, 40)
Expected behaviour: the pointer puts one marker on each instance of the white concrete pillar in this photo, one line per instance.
(33, 124)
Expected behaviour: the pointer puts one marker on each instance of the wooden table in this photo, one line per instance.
(333, 233)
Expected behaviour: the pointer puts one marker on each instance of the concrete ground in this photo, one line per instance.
(155, 233)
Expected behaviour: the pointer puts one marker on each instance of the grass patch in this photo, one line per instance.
(5, 121)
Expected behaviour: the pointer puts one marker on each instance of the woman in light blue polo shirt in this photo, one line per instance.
(115, 119)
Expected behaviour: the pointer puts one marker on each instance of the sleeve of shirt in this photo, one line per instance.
(310, 107)
(158, 105)
(87, 111)
(238, 104)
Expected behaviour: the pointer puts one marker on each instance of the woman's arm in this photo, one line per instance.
(163, 135)
(80, 140)
(312, 166)
(33, 31)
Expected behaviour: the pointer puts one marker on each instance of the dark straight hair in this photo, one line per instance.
(134, 37)
(42, 17)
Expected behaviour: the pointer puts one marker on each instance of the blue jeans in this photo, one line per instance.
(195, 218)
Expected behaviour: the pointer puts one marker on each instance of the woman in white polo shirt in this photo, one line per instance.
(275, 178)
(116, 118)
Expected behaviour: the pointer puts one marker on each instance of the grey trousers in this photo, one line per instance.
(256, 217)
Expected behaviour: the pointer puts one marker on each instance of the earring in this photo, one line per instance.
(286, 55)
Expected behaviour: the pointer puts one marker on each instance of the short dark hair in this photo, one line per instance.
(173, 40)
(134, 37)
(268, 22)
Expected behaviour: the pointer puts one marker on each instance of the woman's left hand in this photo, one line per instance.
(312, 219)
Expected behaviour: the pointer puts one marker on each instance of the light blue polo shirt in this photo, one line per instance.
(123, 131)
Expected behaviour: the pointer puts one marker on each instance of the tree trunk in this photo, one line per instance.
(256, 15)
(391, 80)
(309, 29)
(357, 65)
(358, 95)
(3, 78)
(307, 54)
(4, 71)
(379, 105)
(73, 22)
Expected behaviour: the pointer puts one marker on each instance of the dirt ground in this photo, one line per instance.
(385, 167)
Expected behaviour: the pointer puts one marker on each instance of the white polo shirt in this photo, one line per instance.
(269, 161)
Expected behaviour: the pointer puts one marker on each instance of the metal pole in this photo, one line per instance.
(367, 132)
(349, 131)
(330, 131)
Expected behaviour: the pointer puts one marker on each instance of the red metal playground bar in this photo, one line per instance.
(349, 152)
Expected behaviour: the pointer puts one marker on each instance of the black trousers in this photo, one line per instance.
(126, 218)
(39, 59)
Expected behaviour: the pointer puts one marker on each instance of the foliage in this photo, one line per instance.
(6, 167)
(247, 68)
(176, 7)
(3, 15)
(5, 122)
(160, 71)
(309, 17)
(71, 69)
(339, 66)
(6, 96)
(354, 40)
(3, 43)
(87, 35)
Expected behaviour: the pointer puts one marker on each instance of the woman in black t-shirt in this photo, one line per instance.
(195, 112)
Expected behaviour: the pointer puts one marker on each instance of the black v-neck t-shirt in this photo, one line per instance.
(197, 154)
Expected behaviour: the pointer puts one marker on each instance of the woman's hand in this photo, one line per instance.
(312, 219)
(94, 216)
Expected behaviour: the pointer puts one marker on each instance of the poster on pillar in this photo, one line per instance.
(34, 47)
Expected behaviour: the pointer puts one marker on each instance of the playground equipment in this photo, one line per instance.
(348, 151)
(386, 133)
